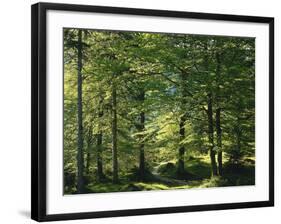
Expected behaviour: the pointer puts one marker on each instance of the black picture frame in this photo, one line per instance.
(39, 125)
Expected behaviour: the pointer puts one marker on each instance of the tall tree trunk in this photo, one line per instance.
(211, 135)
(89, 144)
(218, 113)
(237, 154)
(114, 135)
(141, 127)
(181, 152)
(142, 158)
(181, 169)
(80, 157)
(100, 175)
(219, 144)
(88, 158)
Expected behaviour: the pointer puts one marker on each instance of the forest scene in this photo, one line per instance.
(157, 111)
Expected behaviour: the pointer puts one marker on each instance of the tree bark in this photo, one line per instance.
(237, 154)
(100, 174)
(181, 169)
(219, 143)
(140, 128)
(80, 157)
(211, 135)
(88, 158)
(142, 158)
(89, 144)
(181, 152)
(114, 135)
(218, 113)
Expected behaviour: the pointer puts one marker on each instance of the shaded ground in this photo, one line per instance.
(164, 177)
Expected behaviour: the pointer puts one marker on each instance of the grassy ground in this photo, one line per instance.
(164, 177)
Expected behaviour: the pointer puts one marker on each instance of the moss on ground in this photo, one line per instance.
(164, 178)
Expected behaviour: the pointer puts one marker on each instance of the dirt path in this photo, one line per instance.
(168, 181)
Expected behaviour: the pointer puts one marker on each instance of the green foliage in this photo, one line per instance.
(161, 81)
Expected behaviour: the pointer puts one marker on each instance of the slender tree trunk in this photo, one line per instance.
(140, 128)
(80, 157)
(100, 174)
(237, 155)
(218, 113)
(114, 135)
(88, 156)
(181, 152)
(211, 135)
(181, 169)
(142, 158)
(219, 144)
(238, 134)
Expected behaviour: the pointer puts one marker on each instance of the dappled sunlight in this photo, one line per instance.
(151, 111)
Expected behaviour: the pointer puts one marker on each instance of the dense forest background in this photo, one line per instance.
(154, 111)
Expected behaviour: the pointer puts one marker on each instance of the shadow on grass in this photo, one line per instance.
(243, 174)
(164, 177)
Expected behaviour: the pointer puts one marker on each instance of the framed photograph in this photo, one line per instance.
(140, 111)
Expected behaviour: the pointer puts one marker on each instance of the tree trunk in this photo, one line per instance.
(237, 155)
(88, 158)
(100, 175)
(80, 157)
(181, 152)
(89, 144)
(114, 135)
(142, 158)
(211, 135)
(140, 126)
(219, 144)
(218, 113)
(181, 170)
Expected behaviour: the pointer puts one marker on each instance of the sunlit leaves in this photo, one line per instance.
(174, 73)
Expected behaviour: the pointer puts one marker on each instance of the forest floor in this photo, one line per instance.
(163, 177)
